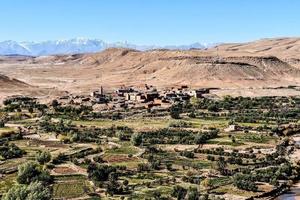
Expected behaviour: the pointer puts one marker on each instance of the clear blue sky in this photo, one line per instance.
(149, 21)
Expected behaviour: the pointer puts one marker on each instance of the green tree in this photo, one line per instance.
(169, 166)
(113, 186)
(157, 195)
(233, 139)
(213, 108)
(175, 111)
(30, 110)
(194, 101)
(31, 171)
(54, 103)
(244, 182)
(99, 172)
(34, 191)
(179, 192)
(2, 124)
(207, 183)
(43, 157)
(193, 194)
(221, 164)
(19, 192)
(37, 191)
(136, 139)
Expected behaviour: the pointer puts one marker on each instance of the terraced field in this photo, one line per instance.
(233, 148)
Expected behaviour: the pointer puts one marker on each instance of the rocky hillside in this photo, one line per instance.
(194, 67)
(287, 49)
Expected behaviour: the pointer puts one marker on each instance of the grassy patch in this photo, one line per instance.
(7, 182)
(199, 123)
(125, 148)
(197, 164)
(255, 138)
(216, 182)
(230, 189)
(128, 164)
(12, 164)
(139, 123)
(148, 192)
(225, 142)
(71, 187)
(6, 131)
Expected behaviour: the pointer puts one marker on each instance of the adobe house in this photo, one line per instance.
(183, 87)
(152, 104)
(123, 90)
(232, 128)
(135, 96)
(98, 92)
(150, 96)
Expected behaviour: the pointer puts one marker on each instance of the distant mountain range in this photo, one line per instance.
(79, 45)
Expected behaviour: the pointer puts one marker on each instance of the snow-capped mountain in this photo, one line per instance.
(72, 46)
(11, 47)
(77, 45)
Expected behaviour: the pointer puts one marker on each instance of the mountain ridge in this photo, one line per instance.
(79, 45)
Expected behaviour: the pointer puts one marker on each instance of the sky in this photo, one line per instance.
(149, 22)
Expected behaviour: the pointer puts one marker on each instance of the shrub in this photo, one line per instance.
(8, 151)
(30, 172)
(136, 139)
(188, 154)
(2, 124)
(34, 191)
(43, 157)
(244, 182)
(175, 111)
(100, 172)
(179, 192)
(180, 124)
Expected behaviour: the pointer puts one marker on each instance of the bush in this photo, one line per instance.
(187, 154)
(8, 151)
(136, 139)
(34, 191)
(193, 194)
(30, 172)
(213, 108)
(244, 182)
(173, 136)
(2, 124)
(179, 192)
(100, 172)
(175, 111)
(180, 124)
(43, 157)
(143, 167)
(60, 159)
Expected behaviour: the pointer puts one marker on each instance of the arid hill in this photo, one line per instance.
(6, 82)
(286, 49)
(11, 86)
(263, 63)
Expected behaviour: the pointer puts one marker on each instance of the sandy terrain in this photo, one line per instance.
(232, 67)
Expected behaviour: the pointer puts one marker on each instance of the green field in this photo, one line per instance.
(71, 187)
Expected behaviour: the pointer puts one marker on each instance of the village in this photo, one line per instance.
(132, 97)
